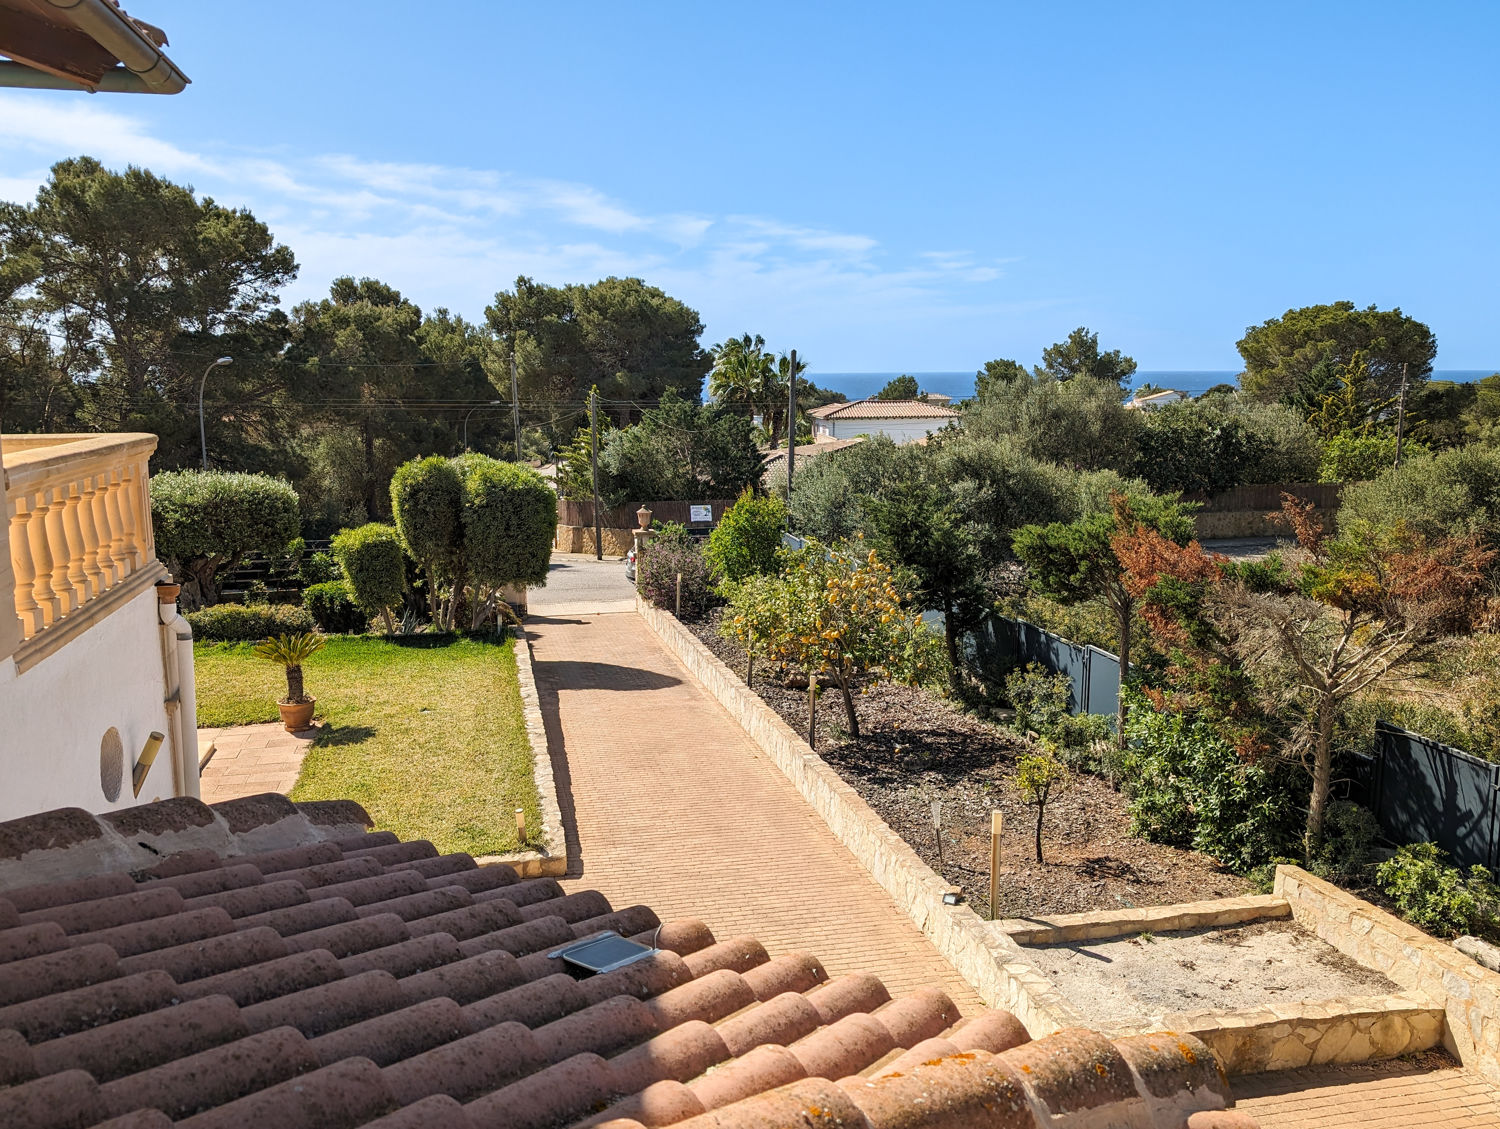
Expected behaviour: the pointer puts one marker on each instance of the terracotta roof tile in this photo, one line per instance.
(262, 963)
(883, 409)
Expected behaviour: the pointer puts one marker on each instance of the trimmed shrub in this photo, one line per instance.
(669, 553)
(427, 497)
(206, 521)
(243, 623)
(371, 560)
(509, 522)
(745, 541)
(333, 606)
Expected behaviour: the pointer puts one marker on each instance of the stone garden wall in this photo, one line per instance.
(1468, 993)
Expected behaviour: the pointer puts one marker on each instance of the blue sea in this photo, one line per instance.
(960, 385)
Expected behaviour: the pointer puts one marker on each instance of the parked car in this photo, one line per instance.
(630, 565)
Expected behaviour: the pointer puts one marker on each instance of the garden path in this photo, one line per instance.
(250, 759)
(667, 802)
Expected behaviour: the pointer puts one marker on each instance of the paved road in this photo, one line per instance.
(581, 585)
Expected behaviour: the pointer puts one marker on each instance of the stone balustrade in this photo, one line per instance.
(78, 522)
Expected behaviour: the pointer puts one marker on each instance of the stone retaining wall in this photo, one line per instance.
(1287, 1036)
(978, 950)
(549, 856)
(1097, 924)
(1468, 993)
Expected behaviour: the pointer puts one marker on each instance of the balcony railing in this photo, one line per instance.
(79, 522)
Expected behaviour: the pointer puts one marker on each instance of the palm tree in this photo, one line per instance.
(744, 373)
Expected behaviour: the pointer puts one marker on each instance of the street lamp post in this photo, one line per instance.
(202, 430)
(470, 412)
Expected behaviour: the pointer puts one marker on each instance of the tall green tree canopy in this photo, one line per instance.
(634, 341)
(747, 375)
(681, 450)
(1074, 423)
(902, 387)
(1293, 356)
(143, 283)
(998, 372)
(359, 356)
(1079, 355)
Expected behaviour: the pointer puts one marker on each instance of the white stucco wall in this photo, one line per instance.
(55, 714)
(900, 430)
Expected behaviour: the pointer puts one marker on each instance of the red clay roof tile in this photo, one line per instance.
(263, 963)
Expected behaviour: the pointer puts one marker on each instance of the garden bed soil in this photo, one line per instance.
(1129, 982)
(916, 747)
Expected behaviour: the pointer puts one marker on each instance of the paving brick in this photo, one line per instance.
(641, 751)
(1431, 1093)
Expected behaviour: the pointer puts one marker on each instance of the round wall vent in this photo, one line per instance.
(111, 764)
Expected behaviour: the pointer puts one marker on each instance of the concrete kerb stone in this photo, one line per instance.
(550, 857)
(980, 951)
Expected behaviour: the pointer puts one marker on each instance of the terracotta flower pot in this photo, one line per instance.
(296, 715)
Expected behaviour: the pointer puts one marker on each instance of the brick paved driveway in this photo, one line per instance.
(1430, 1094)
(669, 803)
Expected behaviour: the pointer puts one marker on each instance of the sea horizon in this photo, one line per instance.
(960, 385)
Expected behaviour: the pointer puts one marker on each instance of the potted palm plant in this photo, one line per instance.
(291, 651)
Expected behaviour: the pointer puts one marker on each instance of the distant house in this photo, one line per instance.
(1156, 400)
(806, 452)
(905, 421)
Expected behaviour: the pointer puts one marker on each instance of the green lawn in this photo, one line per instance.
(428, 736)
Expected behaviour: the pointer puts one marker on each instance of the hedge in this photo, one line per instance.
(240, 623)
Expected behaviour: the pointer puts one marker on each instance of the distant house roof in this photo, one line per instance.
(884, 409)
(260, 962)
(809, 450)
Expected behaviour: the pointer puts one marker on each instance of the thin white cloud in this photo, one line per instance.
(452, 236)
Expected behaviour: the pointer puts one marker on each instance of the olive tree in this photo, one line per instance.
(374, 566)
(206, 522)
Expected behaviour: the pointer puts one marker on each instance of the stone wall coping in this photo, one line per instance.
(550, 857)
(1095, 925)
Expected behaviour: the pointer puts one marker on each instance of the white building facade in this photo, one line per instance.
(902, 421)
(94, 658)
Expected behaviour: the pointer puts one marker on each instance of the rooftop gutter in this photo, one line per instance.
(116, 81)
(145, 71)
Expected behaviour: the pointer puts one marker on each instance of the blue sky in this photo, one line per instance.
(881, 186)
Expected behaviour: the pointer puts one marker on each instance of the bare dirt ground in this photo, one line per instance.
(1132, 981)
(916, 747)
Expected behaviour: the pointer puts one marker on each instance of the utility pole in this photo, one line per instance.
(791, 422)
(594, 470)
(1401, 416)
(515, 401)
